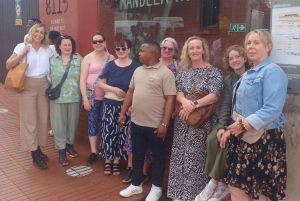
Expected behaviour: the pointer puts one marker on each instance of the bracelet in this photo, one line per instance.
(242, 125)
(165, 125)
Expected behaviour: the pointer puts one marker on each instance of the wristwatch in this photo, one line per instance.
(196, 104)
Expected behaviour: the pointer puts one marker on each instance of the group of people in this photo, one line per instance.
(134, 103)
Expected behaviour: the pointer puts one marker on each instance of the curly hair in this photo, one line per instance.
(58, 43)
(241, 51)
(264, 36)
(32, 30)
(186, 60)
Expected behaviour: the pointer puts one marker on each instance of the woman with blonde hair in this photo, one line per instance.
(188, 150)
(34, 104)
(235, 61)
(255, 168)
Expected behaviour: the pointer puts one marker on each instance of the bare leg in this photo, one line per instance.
(238, 194)
(93, 144)
(129, 160)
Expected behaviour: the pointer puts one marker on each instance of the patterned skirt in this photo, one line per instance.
(259, 168)
(112, 136)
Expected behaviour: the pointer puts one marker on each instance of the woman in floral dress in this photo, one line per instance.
(188, 150)
(254, 171)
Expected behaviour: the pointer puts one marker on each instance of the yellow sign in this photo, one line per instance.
(18, 22)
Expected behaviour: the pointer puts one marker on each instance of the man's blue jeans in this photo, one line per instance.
(143, 137)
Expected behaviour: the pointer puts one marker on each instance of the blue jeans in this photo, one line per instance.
(143, 137)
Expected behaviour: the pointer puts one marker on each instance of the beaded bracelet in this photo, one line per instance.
(242, 125)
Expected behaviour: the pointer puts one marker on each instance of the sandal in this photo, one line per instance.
(116, 169)
(108, 168)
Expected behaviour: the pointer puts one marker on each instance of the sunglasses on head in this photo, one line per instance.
(167, 48)
(118, 49)
(98, 41)
(66, 37)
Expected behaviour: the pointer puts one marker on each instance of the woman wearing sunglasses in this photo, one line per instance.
(169, 53)
(64, 111)
(92, 95)
(115, 80)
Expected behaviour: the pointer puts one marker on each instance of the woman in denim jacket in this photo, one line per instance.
(255, 171)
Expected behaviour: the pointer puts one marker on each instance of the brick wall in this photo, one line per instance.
(235, 11)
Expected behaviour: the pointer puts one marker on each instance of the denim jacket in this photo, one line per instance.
(261, 95)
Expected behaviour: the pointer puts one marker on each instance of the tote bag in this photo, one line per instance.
(15, 78)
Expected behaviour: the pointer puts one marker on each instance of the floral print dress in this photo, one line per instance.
(259, 168)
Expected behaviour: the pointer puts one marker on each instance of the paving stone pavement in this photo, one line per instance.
(21, 180)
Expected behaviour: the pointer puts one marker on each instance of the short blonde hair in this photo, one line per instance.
(264, 36)
(186, 60)
(241, 52)
(29, 38)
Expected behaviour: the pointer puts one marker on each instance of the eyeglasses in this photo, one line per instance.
(66, 37)
(118, 49)
(98, 41)
(164, 49)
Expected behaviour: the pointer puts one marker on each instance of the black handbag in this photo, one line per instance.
(54, 93)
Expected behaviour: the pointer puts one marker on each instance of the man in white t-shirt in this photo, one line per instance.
(30, 23)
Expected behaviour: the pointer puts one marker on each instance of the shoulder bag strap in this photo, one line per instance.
(66, 73)
(107, 60)
(198, 81)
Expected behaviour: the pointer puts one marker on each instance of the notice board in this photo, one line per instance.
(285, 31)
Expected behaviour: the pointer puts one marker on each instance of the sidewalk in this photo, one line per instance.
(21, 180)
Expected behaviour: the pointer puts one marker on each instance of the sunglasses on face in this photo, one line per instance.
(98, 41)
(164, 49)
(118, 49)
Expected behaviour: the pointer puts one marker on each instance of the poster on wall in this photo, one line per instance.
(18, 16)
(286, 41)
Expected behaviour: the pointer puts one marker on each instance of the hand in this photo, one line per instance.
(119, 93)
(188, 105)
(161, 131)
(235, 128)
(129, 110)
(25, 50)
(121, 121)
(87, 105)
(184, 114)
(224, 139)
(220, 134)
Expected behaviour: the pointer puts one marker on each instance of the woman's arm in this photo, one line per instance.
(107, 88)
(208, 100)
(83, 77)
(14, 59)
(226, 103)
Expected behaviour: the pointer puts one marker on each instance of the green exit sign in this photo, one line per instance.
(238, 27)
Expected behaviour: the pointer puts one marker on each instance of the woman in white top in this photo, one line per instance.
(34, 104)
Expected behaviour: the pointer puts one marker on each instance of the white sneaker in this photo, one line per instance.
(131, 190)
(221, 192)
(154, 194)
(205, 194)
